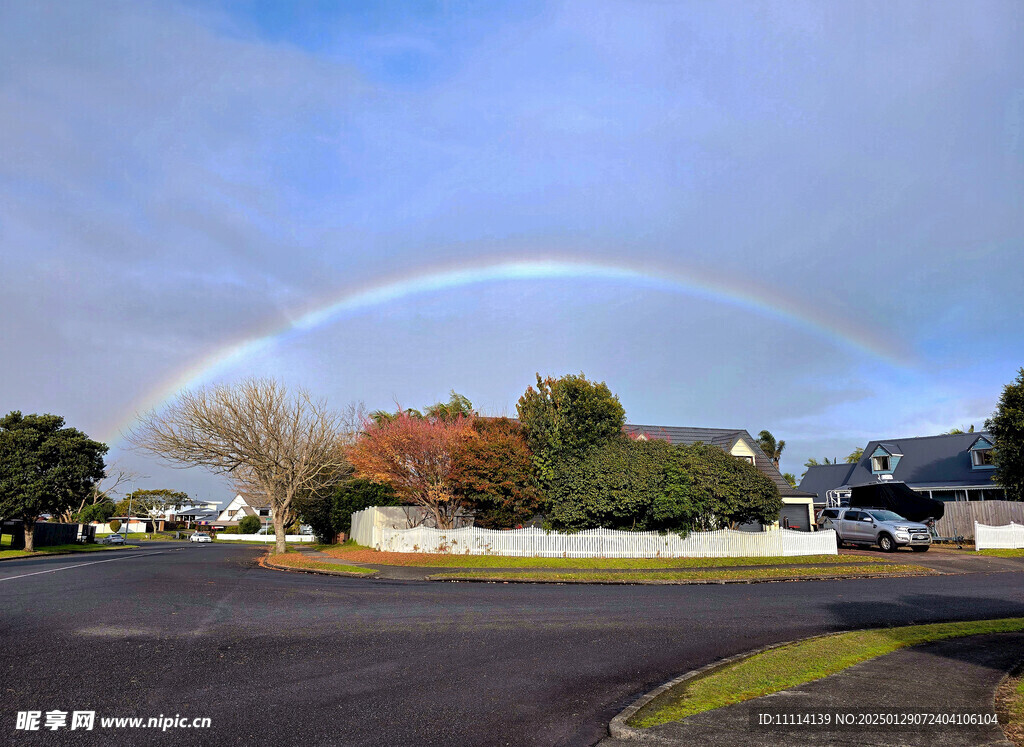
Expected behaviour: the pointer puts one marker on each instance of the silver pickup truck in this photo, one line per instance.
(876, 526)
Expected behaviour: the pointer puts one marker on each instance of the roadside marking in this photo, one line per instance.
(79, 565)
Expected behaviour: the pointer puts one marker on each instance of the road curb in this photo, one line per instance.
(264, 563)
(618, 728)
(440, 578)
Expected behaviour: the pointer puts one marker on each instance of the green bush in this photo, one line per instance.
(228, 530)
(115, 525)
(614, 486)
(331, 513)
(249, 525)
(707, 488)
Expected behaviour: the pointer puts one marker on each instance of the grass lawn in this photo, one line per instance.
(796, 663)
(297, 560)
(56, 550)
(739, 574)
(1002, 553)
(1010, 704)
(360, 554)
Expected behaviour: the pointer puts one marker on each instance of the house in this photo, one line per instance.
(950, 467)
(797, 505)
(240, 507)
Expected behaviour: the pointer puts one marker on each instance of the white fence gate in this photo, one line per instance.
(606, 543)
(1008, 537)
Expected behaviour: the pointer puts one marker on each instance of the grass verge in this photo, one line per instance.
(360, 554)
(58, 550)
(1010, 707)
(1002, 553)
(739, 574)
(301, 562)
(797, 663)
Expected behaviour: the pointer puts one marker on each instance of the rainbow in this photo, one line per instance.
(352, 301)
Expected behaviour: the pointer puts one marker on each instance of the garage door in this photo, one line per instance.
(794, 517)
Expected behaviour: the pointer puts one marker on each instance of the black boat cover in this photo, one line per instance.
(897, 497)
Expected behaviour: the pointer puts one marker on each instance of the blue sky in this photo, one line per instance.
(176, 177)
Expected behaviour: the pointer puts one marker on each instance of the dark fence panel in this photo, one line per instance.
(46, 534)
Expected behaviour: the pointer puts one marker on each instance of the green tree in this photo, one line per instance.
(44, 468)
(790, 478)
(708, 488)
(812, 462)
(152, 504)
(331, 512)
(249, 525)
(494, 473)
(457, 406)
(855, 456)
(615, 485)
(959, 431)
(772, 449)
(1007, 428)
(565, 418)
(115, 525)
(98, 512)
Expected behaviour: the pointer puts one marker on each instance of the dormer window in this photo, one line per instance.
(880, 464)
(748, 459)
(981, 454)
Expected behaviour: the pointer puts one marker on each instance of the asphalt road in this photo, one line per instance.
(281, 658)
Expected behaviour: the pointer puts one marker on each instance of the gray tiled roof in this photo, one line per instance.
(821, 478)
(926, 462)
(724, 438)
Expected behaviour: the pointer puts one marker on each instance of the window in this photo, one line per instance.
(982, 458)
(880, 464)
(747, 459)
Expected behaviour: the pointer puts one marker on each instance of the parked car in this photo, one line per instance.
(825, 514)
(200, 537)
(878, 526)
(112, 539)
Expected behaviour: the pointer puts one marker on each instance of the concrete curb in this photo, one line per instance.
(620, 730)
(683, 582)
(264, 563)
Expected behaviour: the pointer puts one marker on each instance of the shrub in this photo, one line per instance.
(249, 525)
(494, 473)
(565, 418)
(708, 488)
(614, 486)
(115, 525)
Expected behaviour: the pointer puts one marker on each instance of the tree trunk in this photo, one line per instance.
(279, 529)
(30, 534)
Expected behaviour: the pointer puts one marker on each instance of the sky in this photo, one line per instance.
(800, 217)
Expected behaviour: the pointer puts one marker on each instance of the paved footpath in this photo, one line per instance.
(952, 676)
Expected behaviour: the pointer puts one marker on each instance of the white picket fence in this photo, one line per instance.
(1007, 537)
(607, 543)
(268, 538)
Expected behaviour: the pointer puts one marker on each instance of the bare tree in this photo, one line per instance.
(278, 443)
(114, 477)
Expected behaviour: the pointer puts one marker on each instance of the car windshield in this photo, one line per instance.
(886, 516)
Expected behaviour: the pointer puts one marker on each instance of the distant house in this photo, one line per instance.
(797, 505)
(950, 467)
(242, 506)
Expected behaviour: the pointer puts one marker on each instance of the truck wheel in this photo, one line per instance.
(887, 543)
(920, 548)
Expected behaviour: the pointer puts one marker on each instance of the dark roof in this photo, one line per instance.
(821, 478)
(926, 462)
(725, 439)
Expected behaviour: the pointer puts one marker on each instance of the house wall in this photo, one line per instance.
(740, 449)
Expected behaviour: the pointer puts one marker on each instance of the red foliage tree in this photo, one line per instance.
(494, 473)
(416, 457)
